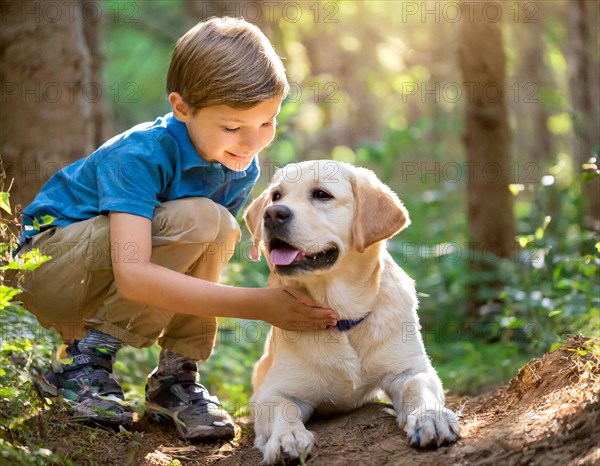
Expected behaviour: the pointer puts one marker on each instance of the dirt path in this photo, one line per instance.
(549, 414)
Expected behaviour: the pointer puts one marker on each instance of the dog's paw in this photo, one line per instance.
(432, 428)
(295, 442)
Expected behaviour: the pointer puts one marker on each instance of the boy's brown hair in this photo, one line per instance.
(225, 61)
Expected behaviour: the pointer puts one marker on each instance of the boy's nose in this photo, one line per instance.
(250, 143)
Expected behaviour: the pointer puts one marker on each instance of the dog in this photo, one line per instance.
(323, 227)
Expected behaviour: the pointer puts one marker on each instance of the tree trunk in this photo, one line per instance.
(46, 97)
(585, 93)
(92, 32)
(487, 141)
(534, 77)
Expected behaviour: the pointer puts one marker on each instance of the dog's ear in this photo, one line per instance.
(253, 217)
(378, 213)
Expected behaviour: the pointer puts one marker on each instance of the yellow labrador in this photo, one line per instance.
(323, 226)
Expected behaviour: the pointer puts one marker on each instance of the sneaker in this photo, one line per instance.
(196, 413)
(87, 386)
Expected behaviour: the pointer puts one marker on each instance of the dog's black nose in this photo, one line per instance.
(276, 215)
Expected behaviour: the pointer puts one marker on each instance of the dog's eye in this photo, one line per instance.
(320, 194)
(276, 196)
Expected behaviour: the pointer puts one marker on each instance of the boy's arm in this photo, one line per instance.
(138, 279)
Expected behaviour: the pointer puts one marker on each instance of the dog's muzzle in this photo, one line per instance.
(283, 254)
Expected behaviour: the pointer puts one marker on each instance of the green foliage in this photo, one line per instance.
(8, 243)
(227, 373)
(5, 202)
(147, 31)
(24, 344)
(550, 288)
(22, 455)
(367, 115)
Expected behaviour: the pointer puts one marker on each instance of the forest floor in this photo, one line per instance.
(549, 414)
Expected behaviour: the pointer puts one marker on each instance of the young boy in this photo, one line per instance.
(143, 227)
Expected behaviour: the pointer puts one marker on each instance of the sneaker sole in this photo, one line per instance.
(161, 414)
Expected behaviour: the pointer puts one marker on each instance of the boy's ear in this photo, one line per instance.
(180, 108)
(253, 216)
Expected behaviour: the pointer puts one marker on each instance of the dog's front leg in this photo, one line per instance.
(279, 428)
(419, 403)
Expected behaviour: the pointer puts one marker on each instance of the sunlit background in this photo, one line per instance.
(378, 84)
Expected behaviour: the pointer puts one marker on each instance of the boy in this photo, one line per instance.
(143, 227)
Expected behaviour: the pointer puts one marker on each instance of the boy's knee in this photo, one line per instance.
(195, 220)
(229, 229)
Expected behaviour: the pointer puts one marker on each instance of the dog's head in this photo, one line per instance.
(315, 213)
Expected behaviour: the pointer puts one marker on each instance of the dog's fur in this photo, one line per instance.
(304, 372)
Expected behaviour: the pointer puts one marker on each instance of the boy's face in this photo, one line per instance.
(227, 135)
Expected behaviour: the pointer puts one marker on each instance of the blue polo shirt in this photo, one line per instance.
(133, 173)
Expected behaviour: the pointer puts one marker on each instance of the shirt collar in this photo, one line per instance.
(189, 156)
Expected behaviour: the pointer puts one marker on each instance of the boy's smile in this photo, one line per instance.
(228, 135)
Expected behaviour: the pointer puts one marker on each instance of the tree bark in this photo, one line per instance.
(487, 141)
(585, 94)
(92, 32)
(46, 103)
(533, 78)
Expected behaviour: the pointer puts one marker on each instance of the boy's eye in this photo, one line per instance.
(230, 130)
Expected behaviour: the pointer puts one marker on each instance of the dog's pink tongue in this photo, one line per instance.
(283, 256)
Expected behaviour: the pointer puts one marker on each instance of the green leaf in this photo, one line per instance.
(587, 177)
(6, 295)
(517, 323)
(560, 123)
(579, 351)
(525, 240)
(554, 313)
(28, 261)
(13, 265)
(8, 392)
(556, 346)
(5, 201)
(34, 256)
(564, 284)
(516, 188)
(47, 220)
(539, 233)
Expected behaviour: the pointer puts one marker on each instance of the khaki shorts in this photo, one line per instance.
(75, 291)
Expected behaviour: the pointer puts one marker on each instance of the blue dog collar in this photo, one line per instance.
(343, 325)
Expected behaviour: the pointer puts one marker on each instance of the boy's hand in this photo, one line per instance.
(292, 309)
